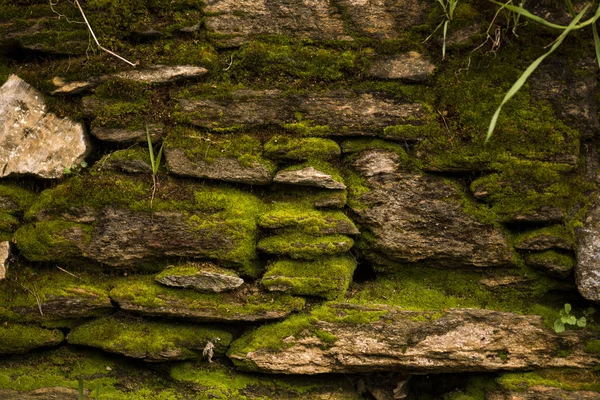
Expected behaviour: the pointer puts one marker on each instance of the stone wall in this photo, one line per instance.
(295, 199)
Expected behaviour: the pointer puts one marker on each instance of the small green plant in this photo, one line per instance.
(75, 169)
(448, 6)
(567, 319)
(154, 163)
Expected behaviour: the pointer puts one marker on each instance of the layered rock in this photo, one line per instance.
(17, 339)
(205, 277)
(412, 217)
(4, 254)
(351, 338)
(410, 66)
(308, 176)
(34, 141)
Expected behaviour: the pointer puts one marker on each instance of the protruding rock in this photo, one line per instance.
(4, 253)
(410, 66)
(309, 247)
(308, 176)
(17, 339)
(554, 237)
(587, 268)
(162, 73)
(421, 218)
(205, 277)
(307, 220)
(74, 87)
(33, 141)
(388, 338)
(150, 340)
(127, 135)
(555, 264)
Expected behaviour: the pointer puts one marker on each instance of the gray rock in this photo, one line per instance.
(127, 135)
(539, 392)
(553, 263)
(308, 176)
(4, 254)
(203, 278)
(74, 87)
(414, 217)
(33, 141)
(410, 66)
(162, 73)
(223, 169)
(371, 163)
(392, 339)
(587, 267)
(543, 241)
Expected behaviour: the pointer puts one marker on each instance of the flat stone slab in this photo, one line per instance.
(205, 277)
(162, 73)
(411, 66)
(19, 339)
(33, 141)
(4, 253)
(308, 176)
(389, 338)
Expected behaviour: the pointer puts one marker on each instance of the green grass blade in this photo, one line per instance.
(444, 40)
(453, 4)
(523, 78)
(150, 149)
(521, 11)
(570, 8)
(596, 43)
(97, 390)
(158, 158)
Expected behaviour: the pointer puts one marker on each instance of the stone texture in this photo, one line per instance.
(44, 393)
(456, 340)
(587, 267)
(419, 218)
(339, 113)
(33, 141)
(410, 66)
(75, 87)
(223, 169)
(20, 339)
(127, 135)
(543, 393)
(162, 73)
(554, 264)
(543, 241)
(4, 253)
(308, 176)
(203, 278)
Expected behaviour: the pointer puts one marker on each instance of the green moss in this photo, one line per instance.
(362, 144)
(8, 222)
(192, 269)
(306, 196)
(298, 245)
(56, 241)
(15, 199)
(281, 147)
(23, 338)
(413, 133)
(153, 340)
(476, 389)
(302, 219)
(357, 186)
(555, 231)
(551, 258)
(306, 128)
(143, 292)
(593, 346)
(327, 277)
(565, 379)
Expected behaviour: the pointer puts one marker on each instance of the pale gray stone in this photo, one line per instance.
(4, 253)
(411, 66)
(308, 177)
(211, 280)
(162, 73)
(587, 267)
(33, 141)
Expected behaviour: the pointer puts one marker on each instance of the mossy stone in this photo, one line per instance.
(299, 245)
(306, 220)
(283, 147)
(18, 339)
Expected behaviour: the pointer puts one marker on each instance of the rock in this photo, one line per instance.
(222, 169)
(554, 237)
(412, 217)
(128, 135)
(4, 253)
(205, 277)
(410, 66)
(327, 277)
(555, 264)
(75, 87)
(19, 339)
(308, 176)
(133, 161)
(39, 394)
(150, 340)
(34, 141)
(502, 282)
(248, 304)
(388, 338)
(541, 392)
(282, 147)
(308, 247)
(587, 269)
(162, 73)
(336, 113)
(235, 22)
(307, 220)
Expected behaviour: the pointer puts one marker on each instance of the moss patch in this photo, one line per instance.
(306, 220)
(151, 340)
(283, 147)
(23, 338)
(566, 379)
(15, 199)
(328, 277)
(298, 245)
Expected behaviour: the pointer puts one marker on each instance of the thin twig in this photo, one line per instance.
(230, 63)
(96, 39)
(37, 298)
(67, 272)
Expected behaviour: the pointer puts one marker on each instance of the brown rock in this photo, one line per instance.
(308, 177)
(39, 394)
(419, 218)
(126, 135)
(456, 340)
(410, 66)
(4, 253)
(223, 169)
(33, 141)
(544, 393)
(162, 73)
(587, 268)
(203, 278)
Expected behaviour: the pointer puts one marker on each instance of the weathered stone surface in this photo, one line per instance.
(543, 393)
(222, 169)
(339, 113)
(308, 176)
(150, 340)
(39, 394)
(162, 73)
(127, 135)
(458, 340)
(410, 66)
(543, 240)
(18, 339)
(372, 163)
(305, 246)
(33, 141)
(205, 277)
(420, 218)
(553, 263)
(498, 283)
(4, 253)
(144, 296)
(235, 22)
(74, 87)
(587, 267)
(307, 220)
